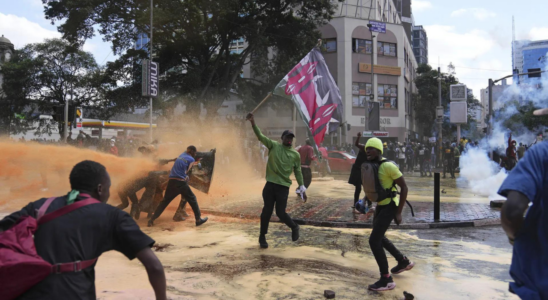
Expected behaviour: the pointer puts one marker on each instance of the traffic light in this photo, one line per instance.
(348, 127)
(484, 130)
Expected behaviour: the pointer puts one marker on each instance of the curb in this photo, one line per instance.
(338, 224)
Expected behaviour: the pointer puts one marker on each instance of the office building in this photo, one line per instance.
(530, 56)
(420, 44)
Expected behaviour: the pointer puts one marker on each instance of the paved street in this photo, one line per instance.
(330, 200)
(222, 260)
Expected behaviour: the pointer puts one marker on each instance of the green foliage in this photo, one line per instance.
(192, 40)
(42, 77)
(427, 99)
(522, 118)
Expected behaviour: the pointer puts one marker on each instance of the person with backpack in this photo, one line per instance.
(456, 163)
(379, 179)
(73, 231)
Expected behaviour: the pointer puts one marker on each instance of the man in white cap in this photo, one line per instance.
(526, 189)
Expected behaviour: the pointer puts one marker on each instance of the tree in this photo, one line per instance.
(521, 119)
(42, 77)
(427, 99)
(193, 39)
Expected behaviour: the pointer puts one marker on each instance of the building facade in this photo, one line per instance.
(420, 44)
(6, 52)
(529, 56)
(348, 51)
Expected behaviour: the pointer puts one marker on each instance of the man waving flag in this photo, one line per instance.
(315, 94)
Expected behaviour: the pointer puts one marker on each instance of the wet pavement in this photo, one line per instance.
(330, 201)
(222, 260)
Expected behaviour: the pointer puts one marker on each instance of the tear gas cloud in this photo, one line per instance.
(483, 175)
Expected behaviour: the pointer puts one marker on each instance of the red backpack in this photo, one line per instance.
(20, 266)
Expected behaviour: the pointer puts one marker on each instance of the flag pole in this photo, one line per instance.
(261, 103)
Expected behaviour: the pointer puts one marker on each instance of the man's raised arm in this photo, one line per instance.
(263, 139)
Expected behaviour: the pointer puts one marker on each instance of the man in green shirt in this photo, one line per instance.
(282, 160)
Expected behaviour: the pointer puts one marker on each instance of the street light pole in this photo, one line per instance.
(150, 45)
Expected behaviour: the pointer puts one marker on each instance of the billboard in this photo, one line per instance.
(150, 79)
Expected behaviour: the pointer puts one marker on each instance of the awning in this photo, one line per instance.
(115, 124)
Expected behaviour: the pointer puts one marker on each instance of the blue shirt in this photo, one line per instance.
(529, 267)
(181, 166)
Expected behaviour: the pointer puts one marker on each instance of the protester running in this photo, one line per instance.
(387, 210)
(73, 241)
(282, 160)
(178, 185)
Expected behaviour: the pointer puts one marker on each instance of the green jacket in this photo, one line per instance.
(281, 161)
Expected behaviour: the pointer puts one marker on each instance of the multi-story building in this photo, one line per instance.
(498, 92)
(529, 56)
(348, 52)
(6, 51)
(420, 44)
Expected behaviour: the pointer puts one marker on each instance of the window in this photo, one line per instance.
(386, 49)
(387, 95)
(533, 75)
(362, 46)
(361, 93)
(329, 45)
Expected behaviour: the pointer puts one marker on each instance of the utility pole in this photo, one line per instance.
(490, 124)
(373, 89)
(151, 28)
(440, 117)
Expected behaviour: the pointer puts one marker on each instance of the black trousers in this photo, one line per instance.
(130, 191)
(384, 214)
(174, 189)
(307, 176)
(275, 195)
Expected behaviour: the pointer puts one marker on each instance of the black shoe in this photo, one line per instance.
(384, 284)
(201, 221)
(262, 241)
(178, 218)
(150, 222)
(295, 233)
(404, 265)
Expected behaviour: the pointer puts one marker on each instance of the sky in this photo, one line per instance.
(475, 35)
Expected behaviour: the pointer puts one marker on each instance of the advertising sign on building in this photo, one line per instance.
(150, 86)
(381, 70)
(377, 26)
(375, 134)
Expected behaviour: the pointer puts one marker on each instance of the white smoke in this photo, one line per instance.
(483, 175)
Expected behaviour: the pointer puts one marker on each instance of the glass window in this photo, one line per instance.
(361, 93)
(386, 49)
(362, 46)
(329, 45)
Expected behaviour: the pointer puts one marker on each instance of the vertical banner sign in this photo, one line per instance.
(79, 117)
(150, 86)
